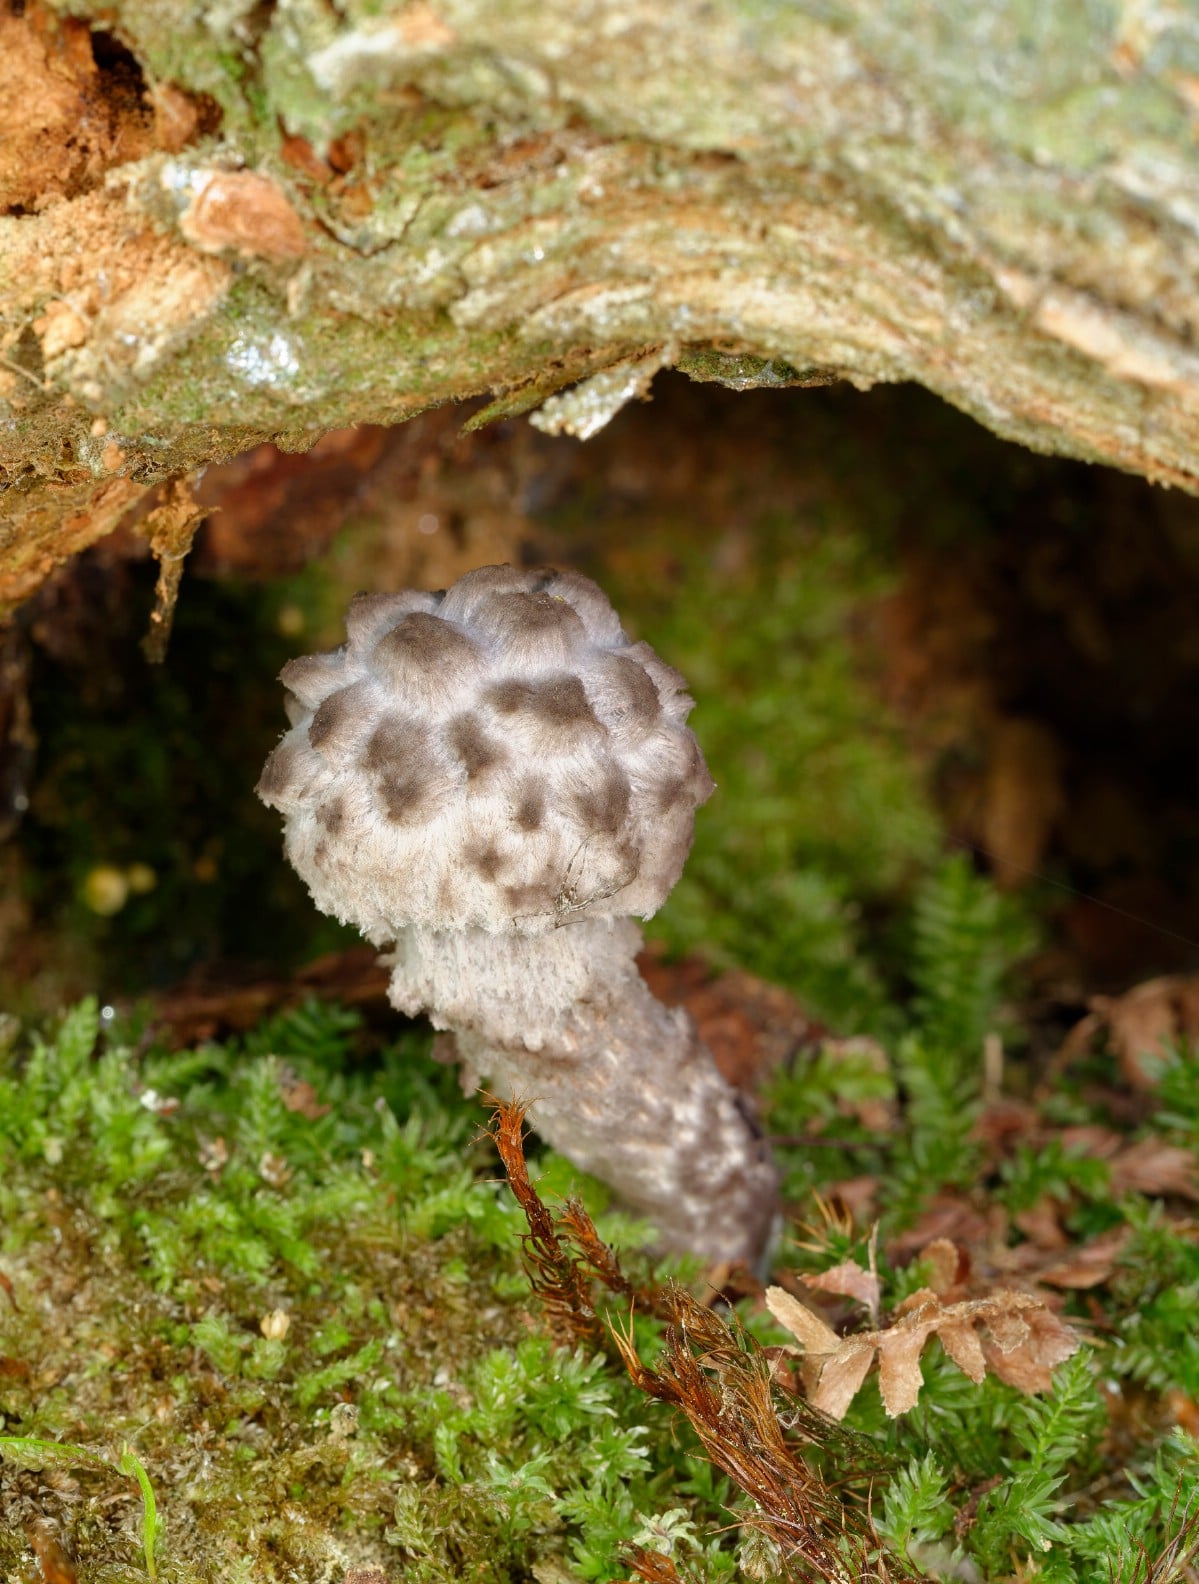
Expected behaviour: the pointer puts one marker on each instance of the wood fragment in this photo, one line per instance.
(170, 529)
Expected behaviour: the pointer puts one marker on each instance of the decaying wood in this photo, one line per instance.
(283, 219)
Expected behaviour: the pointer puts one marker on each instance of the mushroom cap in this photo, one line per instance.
(496, 757)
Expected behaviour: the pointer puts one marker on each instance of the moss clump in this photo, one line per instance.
(285, 1274)
(822, 811)
(282, 1275)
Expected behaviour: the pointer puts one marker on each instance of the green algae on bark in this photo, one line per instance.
(467, 197)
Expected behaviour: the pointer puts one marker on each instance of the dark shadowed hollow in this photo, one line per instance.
(900, 631)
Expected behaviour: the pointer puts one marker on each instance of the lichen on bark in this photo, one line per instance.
(298, 219)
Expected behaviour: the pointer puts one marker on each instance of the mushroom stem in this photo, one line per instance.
(620, 1084)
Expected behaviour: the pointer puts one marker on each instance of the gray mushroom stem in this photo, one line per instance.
(618, 1083)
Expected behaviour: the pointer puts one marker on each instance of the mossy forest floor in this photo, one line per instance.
(257, 1253)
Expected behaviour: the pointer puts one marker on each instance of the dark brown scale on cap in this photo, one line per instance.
(281, 774)
(407, 794)
(472, 746)
(338, 722)
(426, 654)
(411, 785)
(562, 701)
(393, 739)
(529, 812)
(510, 695)
(485, 859)
(529, 621)
(527, 900)
(635, 687)
(558, 701)
(603, 808)
(332, 815)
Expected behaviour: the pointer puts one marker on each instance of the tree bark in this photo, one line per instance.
(228, 223)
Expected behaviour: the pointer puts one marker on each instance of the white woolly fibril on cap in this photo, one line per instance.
(497, 757)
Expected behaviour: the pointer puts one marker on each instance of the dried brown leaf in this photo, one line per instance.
(961, 1341)
(1088, 1265)
(1042, 1226)
(849, 1280)
(1151, 1166)
(899, 1351)
(813, 1333)
(1013, 1332)
(943, 1261)
(915, 1302)
(949, 1215)
(1008, 1328)
(298, 1095)
(839, 1378)
(1029, 1366)
(1141, 1023)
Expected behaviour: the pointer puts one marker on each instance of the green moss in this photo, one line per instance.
(821, 811)
(280, 1279)
(308, 1320)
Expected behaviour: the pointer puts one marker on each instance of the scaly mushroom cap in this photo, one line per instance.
(497, 757)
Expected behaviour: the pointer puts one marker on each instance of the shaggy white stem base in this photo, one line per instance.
(617, 1082)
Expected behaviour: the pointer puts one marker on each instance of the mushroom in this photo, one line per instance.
(490, 781)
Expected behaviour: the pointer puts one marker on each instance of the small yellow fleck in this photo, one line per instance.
(275, 1325)
(141, 878)
(290, 621)
(105, 890)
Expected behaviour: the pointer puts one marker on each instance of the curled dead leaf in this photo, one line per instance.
(945, 1263)
(1029, 1366)
(1151, 1166)
(849, 1280)
(1088, 1265)
(1141, 1024)
(1012, 1333)
(299, 1096)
